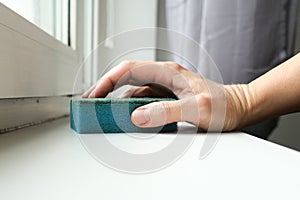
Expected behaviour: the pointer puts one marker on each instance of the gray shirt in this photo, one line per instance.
(245, 38)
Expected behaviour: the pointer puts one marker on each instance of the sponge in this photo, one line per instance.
(111, 115)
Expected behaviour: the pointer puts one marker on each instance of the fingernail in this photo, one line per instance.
(141, 116)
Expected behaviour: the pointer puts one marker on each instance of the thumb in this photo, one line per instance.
(157, 114)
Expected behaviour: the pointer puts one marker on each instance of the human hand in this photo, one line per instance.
(201, 102)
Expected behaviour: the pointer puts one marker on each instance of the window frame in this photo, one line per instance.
(51, 73)
(38, 71)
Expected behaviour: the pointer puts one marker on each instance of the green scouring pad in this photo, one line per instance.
(111, 115)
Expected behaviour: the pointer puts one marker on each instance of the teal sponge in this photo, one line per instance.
(111, 115)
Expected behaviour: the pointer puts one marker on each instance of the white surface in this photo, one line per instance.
(49, 162)
(22, 112)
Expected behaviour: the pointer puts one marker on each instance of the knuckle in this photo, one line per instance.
(130, 91)
(141, 91)
(127, 63)
(203, 100)
(172, 111)
(167, 109)
(173, 65)
(147, 89)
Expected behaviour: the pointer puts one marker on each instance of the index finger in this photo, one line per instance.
(135, 73)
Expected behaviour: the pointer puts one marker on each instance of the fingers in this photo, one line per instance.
(151, 90)
(168, 75)
(87, 93)
(195, 110)
(135, 91)
(157, 114)
(107, 83)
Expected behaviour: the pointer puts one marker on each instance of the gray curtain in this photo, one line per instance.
(245, 38)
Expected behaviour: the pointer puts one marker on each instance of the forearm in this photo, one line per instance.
(273, 94)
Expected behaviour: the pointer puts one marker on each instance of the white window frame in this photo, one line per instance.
(34, 64)
(38, 71)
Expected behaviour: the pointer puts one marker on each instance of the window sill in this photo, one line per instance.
(49, 162)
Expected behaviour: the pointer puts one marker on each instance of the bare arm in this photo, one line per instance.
(275, 93)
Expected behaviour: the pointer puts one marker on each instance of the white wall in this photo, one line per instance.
(130, 15)
(124, 20)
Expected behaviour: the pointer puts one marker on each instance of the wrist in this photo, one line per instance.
(240, 108)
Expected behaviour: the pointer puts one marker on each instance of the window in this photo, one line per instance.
(43, 43)
(39, 64)
(52, 16)
(40, 52)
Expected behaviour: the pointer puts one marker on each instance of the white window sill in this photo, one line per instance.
(49, 162)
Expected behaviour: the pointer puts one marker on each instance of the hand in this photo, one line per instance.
(201, 102)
